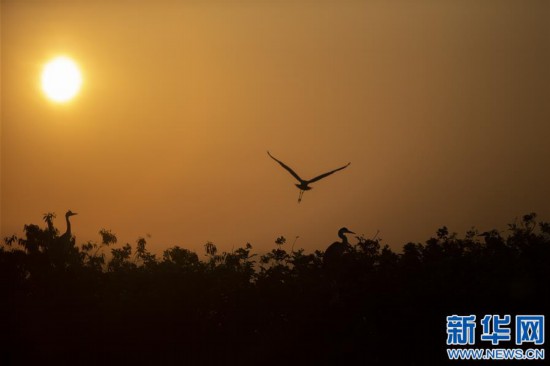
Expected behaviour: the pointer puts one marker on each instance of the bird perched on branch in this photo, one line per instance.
(333, 255)
(63, 252)
(67, 236)
(304, 184)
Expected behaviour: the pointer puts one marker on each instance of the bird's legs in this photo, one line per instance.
(300, 196)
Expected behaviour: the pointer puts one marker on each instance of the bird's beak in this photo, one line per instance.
(75, 213)
(350, 232)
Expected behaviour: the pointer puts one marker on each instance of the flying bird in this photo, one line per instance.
(304, 184)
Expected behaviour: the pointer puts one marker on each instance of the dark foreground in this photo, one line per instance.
(67, 304)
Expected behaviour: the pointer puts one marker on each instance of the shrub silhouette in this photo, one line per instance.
(109, 303)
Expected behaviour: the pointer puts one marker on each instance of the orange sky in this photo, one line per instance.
(443, 108)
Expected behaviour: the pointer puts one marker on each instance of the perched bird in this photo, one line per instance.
(67, 236)
(336, 250)
(304, 184)
(63, 251)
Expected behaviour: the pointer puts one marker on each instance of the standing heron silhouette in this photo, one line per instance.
(304, 184)
(68, 235)
(64, 252)
(334, 264)
(333, 255)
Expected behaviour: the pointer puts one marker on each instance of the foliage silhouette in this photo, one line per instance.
(70, 304)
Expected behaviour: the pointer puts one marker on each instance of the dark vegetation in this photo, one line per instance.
(68, 304)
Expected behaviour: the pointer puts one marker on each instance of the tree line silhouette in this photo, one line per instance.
(74, 304)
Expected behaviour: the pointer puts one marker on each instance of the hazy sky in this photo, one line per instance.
(442, 107)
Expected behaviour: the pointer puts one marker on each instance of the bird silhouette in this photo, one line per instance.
(63, 251)
(333, 265)
(304, 184)
(333, 255)
(67, 236)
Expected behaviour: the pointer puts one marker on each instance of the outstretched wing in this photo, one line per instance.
(286, 167)
(327, 174)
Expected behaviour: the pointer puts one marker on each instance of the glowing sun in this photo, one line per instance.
(61, 79)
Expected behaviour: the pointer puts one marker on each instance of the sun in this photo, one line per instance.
(61, 79)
